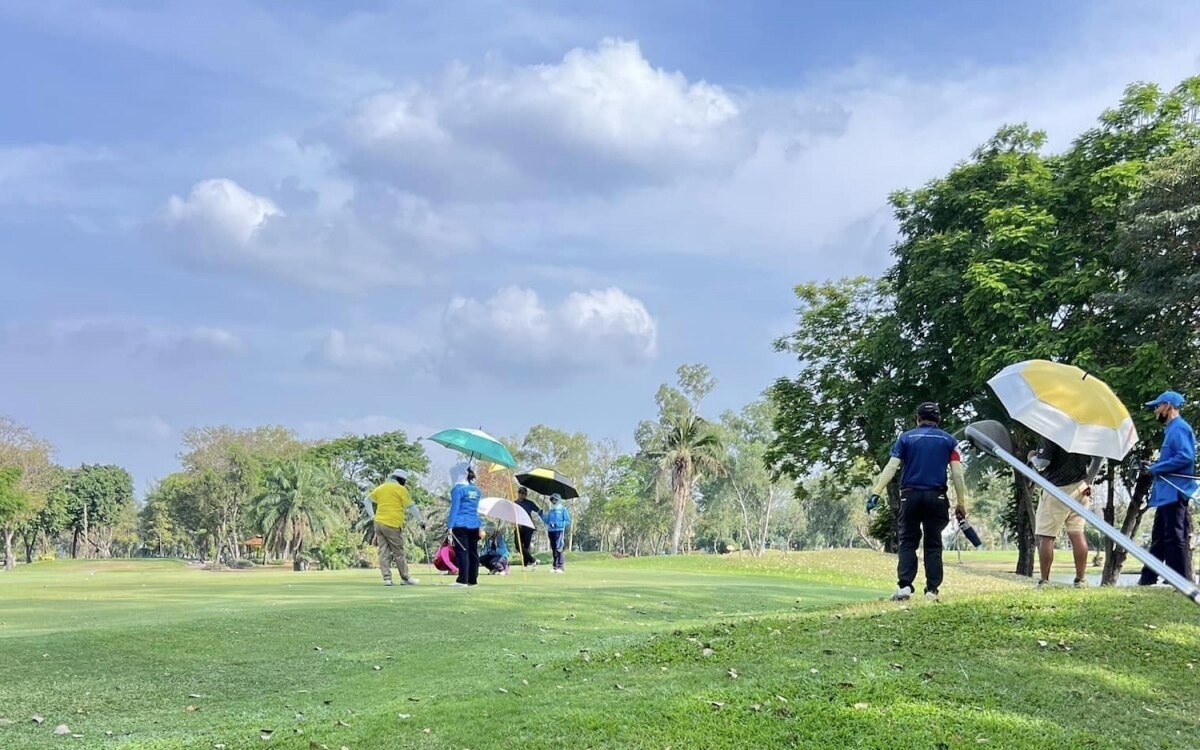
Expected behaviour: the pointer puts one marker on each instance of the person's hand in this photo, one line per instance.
(872, 502)
(1087, 490)
(960, 511)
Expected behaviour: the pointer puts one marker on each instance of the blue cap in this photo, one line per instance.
(1166, 397)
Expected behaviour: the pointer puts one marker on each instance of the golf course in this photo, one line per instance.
(794, 650)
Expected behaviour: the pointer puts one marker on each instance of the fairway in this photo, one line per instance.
(657, 652)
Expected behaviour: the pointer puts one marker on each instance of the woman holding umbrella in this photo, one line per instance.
(463, 523)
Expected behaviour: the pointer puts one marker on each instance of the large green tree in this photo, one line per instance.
(98, 497)
(303, 502)
(21, 449)
(13, 505)
(367, 460)
(681, 443)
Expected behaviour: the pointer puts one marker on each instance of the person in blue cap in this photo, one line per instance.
(1174, 484)
(557, 519)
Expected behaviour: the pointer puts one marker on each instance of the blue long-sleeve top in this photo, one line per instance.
(1177, 457)
(464, 507)
(557, 518)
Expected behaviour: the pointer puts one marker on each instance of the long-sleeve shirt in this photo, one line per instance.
(464, 507)
(557, 518)
(1177, 457)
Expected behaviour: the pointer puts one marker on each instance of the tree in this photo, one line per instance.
(747, 478)
(13, 505)
(98, 496)
(303, 503)
(567, 453)
(154, 524)
(367, 460)
(21, 449)
(682, 444)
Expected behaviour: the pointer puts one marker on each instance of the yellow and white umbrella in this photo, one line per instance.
(1067, 405)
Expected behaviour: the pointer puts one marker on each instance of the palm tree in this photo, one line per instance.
(683, 445)
(302, 502)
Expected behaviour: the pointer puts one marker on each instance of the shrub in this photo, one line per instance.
(337, 552)
(244, 564)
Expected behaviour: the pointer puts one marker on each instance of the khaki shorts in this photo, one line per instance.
(1052, 515)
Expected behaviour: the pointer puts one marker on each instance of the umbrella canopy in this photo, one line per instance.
(475, 444)
(548, 482)
(504, 510)
(1065, 404)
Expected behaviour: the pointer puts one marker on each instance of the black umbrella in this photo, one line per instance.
(548, 482)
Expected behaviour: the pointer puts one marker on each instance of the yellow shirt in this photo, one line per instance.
(391, 500)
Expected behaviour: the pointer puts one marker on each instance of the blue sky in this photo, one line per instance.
(362, 216)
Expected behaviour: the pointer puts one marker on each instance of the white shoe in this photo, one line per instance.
(388, 582)
(457, 585)
(410, 582)
(931, 596)
(903, 594)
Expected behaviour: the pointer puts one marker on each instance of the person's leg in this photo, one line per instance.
(1079, 550)
(385, 554)
(527, 546)
(555, 543)
(909, 529)
(399, 554)
(935, 516)
(1045, 556)
(473, 557)
(1175, 537)
(463, 553)
(1149, 577)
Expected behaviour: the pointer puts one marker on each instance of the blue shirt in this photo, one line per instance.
(558, 518)
(496, 546)
(464, 507)
(926, 453)
(1177, 456)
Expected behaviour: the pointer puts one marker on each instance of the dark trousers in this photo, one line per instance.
(556, 544)
(1169, 539)
(466, 549)
(524, 541)
(928, 512)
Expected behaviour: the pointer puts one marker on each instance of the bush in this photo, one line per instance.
(244, 564)
(47, 556)
(368, 557)
(337, 552)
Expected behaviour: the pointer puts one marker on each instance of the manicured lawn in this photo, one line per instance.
(617, 653)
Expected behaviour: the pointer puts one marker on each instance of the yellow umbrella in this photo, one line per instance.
(1061, 402)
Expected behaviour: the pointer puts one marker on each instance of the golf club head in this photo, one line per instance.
(988, 435)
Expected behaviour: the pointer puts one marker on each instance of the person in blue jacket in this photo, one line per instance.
(557, 518)
(495, 552)
(463, 523)
(1174, 484)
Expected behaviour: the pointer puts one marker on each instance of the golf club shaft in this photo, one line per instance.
(1182, 584)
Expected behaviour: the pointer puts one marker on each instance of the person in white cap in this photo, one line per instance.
(389, 505)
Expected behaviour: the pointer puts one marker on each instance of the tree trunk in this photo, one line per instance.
(766, 525)
(85, 527)
(9, 561)
(1115, 558)
(1025, 516)
(682, 487)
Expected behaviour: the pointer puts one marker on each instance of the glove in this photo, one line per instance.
(872, 502)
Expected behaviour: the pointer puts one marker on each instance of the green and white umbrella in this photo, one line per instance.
(475, 444)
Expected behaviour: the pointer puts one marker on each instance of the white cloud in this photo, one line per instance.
(150, 429)
(598, 120)
(379, 237)
(128, 337)
(514, 333)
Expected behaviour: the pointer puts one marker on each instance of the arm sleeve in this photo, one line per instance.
(959, 477)
(886, 475)
(1094, 469)
(368, 507)
(1178, 454)
(413, 511)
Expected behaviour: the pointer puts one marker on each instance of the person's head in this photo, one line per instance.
(522, 494)
(556, 498)
(929, 413)
(1166, 406)
(400, 476)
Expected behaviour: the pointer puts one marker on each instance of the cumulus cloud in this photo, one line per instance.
(379, 237)
(127, 337)
(597, 120)
(512, 333)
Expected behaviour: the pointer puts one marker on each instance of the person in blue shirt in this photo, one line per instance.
(463, 524)
(495, 552)
(1173, 488)
(557, 519)
(923, 455)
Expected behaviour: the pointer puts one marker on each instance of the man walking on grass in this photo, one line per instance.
(925, 453)
(1071, 473)
(388, 505)
(1174, 484)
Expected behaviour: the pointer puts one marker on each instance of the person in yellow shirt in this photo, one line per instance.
(389, 505)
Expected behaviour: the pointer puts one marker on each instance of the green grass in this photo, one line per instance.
(613, 654)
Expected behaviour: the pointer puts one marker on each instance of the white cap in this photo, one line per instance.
(399, 474)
